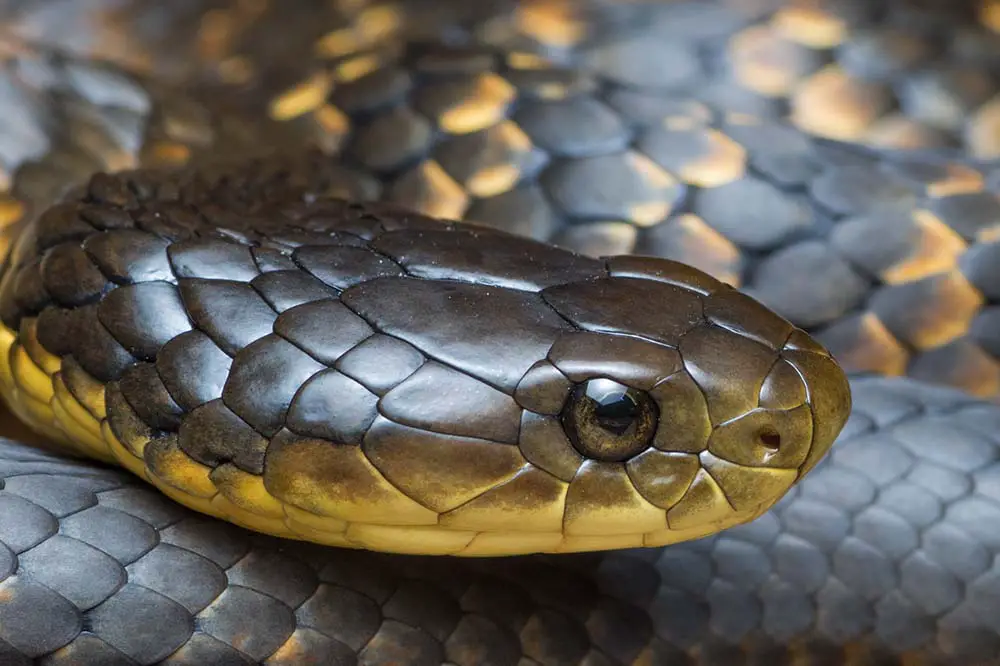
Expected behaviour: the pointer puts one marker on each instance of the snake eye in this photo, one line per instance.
(608, 421)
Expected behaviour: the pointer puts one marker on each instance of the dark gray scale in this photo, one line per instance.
(70, 277)
(497, 349)
(334, 407)
(985, 330)
(623, 305)
(135, 606)
(286, 289)
(29, 291)
(24, 600)
(212, 434)
(782, 154)
(144, 390)
(193, 369)
(231, 313)
(115, 190)
(342, 267)
(56, 328)
(392, 140)
(212, 259)
(105, 218)
(46, 564)
(485, 257)
(423, 604)
(179, 574)
(579, 126)
(59, 499)
(224, 550)
(523, 211)
(863, 568)
(877, 241)
(175, 222)
(258, 623)
(264, 378)
(204, 649)
(620, 629)
(144, 317)
(436, 60)
(269, 259)
(380, 362)
(462, 405)
(752, 212)
(24, 524)
(80, 333)
(969, 214)
(59, 224)
(342, 610)
(272, 573)
(118, 534)
(131, 500)
(88, 649)
(981, 265)
(324, 329)
(382, 88)
(477, 635)
(607, 187)
(128, 255)
(850, 190)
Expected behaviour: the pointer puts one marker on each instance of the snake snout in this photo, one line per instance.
(828, 393)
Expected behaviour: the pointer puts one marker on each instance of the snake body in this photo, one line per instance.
(178, 322)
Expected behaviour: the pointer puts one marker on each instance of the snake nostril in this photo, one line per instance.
(769, 439)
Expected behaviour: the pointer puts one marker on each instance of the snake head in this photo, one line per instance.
(363, 376)
(685, 402)
(564, 403)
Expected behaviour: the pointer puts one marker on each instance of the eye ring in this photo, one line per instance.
(608, 421)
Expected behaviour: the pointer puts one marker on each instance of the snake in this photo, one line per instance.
(536, 333)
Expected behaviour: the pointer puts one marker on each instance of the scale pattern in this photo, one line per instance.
(265, 356)
(886, 551)
(889, 260)
(110, 113)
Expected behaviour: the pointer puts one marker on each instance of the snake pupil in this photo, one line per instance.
(615, 409)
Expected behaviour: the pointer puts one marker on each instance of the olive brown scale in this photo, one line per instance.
(364, 376)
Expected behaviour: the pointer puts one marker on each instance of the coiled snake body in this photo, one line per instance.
(258, 344)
